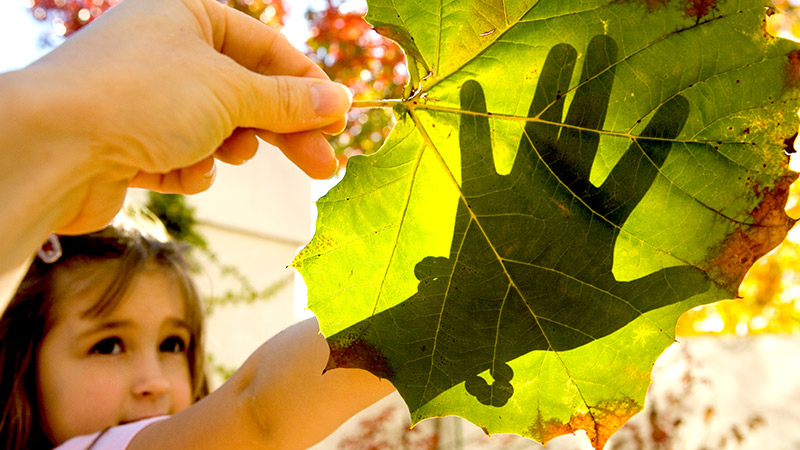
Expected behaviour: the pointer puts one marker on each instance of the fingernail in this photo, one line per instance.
(330, 98)
(336, 171)
(211, 174)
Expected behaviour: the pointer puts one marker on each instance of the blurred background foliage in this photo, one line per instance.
(352, 53)
(374, 68)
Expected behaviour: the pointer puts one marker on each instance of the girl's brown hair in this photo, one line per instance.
(28, 317)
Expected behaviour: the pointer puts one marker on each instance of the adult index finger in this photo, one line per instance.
(255, 45)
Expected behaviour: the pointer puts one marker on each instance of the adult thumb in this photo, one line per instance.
(285, 104)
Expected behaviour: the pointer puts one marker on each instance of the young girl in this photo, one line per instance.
(102, 349)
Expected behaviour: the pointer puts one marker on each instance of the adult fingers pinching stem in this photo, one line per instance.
(294, 114)
(289, 93)
(283, 104)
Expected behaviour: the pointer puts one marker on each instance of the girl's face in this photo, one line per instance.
(127, 364)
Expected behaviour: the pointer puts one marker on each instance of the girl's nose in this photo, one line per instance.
(150, 379)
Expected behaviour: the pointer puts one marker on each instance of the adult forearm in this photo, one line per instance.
(42, 168)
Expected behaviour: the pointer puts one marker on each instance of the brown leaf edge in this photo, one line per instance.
(749, 242)
(599, 422)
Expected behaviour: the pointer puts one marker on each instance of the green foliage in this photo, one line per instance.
(566, 179)
(177, 217)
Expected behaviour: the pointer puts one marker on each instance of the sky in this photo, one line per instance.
(19, 36)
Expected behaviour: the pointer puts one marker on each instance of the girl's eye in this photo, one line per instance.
(108, 346)
(173, 344)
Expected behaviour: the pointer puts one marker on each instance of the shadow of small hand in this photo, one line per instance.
(530, 265)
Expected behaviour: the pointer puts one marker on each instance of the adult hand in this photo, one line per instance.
(170, 85)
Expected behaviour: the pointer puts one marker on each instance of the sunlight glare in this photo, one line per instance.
(712, 324)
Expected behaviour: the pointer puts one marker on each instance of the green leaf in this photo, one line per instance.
(566, 181)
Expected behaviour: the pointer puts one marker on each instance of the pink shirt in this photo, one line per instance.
(116, 438)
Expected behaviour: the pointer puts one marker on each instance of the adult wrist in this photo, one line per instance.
(46, 156)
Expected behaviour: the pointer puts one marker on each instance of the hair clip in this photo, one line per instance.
(50, 251)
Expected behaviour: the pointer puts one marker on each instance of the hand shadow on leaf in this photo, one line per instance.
(530, 265)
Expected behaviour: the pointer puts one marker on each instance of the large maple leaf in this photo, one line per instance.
(566, 179)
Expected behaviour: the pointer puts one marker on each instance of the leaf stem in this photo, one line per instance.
(375, 103)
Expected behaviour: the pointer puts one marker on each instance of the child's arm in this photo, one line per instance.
(279, 399)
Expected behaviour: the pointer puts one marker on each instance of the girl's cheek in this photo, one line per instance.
(181, 382)
(182, 398)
